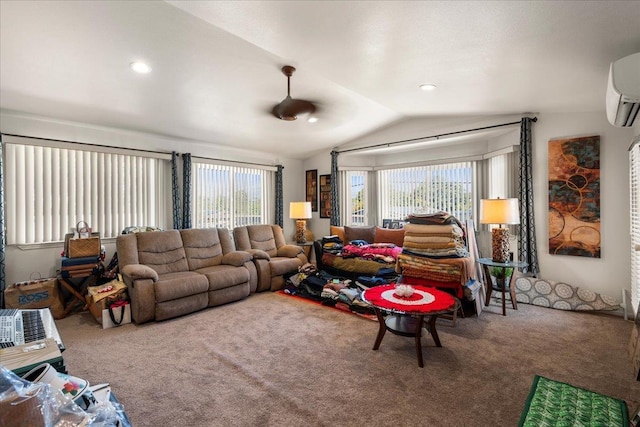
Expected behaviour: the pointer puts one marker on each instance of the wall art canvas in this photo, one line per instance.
(574, 196)
(311, 183)
(325, 196)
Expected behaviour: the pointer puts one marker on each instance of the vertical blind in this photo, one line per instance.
(446, 187)
(228, 196)
(634, 181)
(49, 189)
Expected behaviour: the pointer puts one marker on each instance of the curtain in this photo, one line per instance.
(527, 251)
(186, 190)
(3, 240)
(279, 197)
(335, 194)
(175, 191)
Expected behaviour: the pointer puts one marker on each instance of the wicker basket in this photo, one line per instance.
(80, 248)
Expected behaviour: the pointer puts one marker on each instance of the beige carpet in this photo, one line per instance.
(273, 360)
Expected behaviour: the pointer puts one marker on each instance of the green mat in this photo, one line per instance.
(552, 403)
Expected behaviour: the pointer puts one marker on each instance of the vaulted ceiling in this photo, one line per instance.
(216, 64)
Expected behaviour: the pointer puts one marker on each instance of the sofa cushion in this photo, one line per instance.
(281, 265)
(202, 247)
(224, 276)
(162, 251)
(387, 235)
(261, 237)
(176, 285)
(359, 233)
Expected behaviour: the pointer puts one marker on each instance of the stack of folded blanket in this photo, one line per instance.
(435, 241)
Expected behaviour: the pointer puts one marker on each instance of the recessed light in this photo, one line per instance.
(427, 86)
(312, 119)
(140, 67)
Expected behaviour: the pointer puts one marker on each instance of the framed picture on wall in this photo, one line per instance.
(311, 183)
(325, 196)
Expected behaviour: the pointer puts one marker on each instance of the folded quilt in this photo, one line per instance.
(464, 268)
(430, 238)
(438, 253)
(452, 229)
(442, 245)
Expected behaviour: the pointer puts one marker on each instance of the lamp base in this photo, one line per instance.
(500, 245)
(301, 231)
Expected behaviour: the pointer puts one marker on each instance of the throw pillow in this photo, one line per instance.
(334, 230)
(359, 233)
(388, 235)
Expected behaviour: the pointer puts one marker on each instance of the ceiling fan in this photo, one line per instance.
(289, 109)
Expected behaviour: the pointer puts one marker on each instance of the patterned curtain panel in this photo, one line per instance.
(527, 240)
(335, 194)
(186, 190)
(279, 197)
(175, 191)
(3, 239)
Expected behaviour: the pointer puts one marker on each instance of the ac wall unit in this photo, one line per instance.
(623, 91)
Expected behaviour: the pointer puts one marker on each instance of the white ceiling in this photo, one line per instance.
(216, 64)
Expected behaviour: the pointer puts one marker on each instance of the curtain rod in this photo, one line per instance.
(234, 161)
(87, 144)
(388, 144)
(125, 148)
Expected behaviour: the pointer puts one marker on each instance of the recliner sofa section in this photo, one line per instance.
(272, 256)
(176, 272)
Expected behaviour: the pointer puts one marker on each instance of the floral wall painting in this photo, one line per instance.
(574, 196)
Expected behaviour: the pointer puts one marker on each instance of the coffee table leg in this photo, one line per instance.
(382, 329)
(418, 341)
(432, 330)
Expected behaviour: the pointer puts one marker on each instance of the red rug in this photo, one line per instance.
(338, 306)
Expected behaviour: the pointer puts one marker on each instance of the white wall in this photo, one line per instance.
(45, 260)
(609, 274)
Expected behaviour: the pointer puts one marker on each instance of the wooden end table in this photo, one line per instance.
(501, 284)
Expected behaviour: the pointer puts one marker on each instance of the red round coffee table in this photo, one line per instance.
(406, 315)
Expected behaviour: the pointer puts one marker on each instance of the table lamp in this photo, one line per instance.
(301, 212)
(501, 212)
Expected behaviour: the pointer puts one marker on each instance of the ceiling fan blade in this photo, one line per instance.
(289, 109)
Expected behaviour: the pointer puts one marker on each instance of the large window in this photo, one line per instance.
(49, 188)
(445, 187)
(354, 200)
(634, 181)
(231, 196)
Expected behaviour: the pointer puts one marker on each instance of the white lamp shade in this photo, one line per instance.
(300, 210)
(499, 211)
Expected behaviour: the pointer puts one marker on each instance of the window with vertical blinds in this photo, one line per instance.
(354, 200)
(446, 187)
(634, 181)
(50, 188)
(228, 196)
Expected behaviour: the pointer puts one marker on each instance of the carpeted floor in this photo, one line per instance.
(273, 360)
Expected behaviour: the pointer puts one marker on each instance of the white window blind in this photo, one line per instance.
(634, 181)
(229, 196)
(446, 187)
(49, 189)
(353, 194)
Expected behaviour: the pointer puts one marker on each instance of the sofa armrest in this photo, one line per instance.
(289, 251)
(259, 254)
(236, 258)
(139, 271)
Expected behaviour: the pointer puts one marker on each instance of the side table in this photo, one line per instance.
(501, 284)
(76, 275)
(307, 247)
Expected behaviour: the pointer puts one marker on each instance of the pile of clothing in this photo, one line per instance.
(327, 289)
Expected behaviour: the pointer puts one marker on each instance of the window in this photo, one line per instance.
(49, 188)
(354, 203)
(634, 181)
(229, 196)
(447, 187)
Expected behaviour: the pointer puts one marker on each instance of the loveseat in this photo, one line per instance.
(172, 273)
(272, 256)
